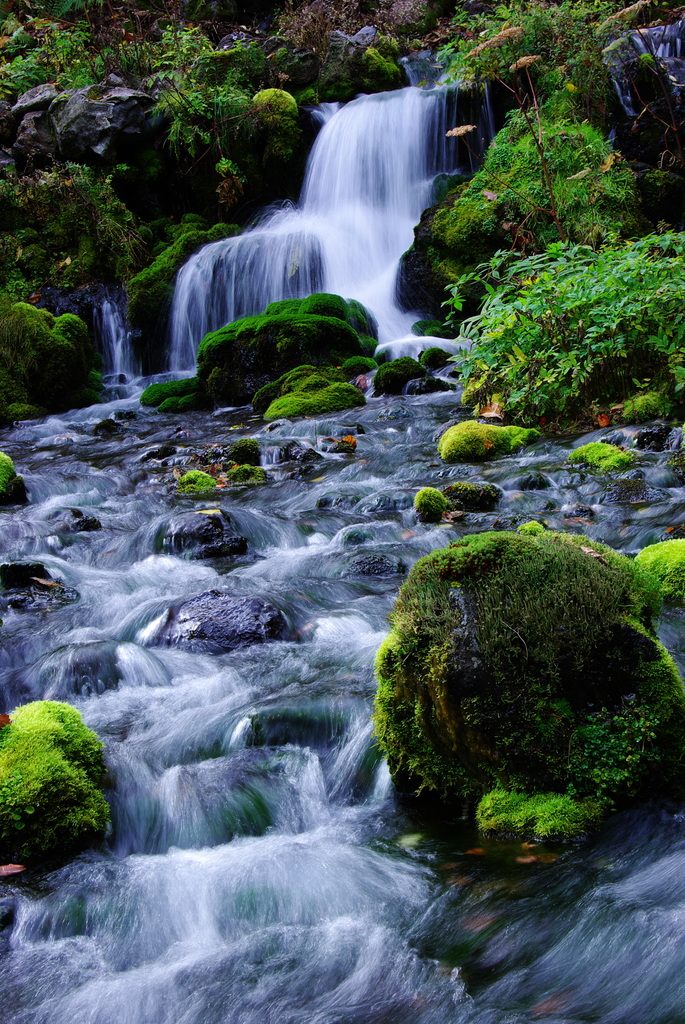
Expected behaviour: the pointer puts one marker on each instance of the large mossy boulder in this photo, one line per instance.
(51, 770)
(528, 663)
(471, 441)
(366, 62)
(46, 362)
(666, 561)
(236, 361)
(307, 391)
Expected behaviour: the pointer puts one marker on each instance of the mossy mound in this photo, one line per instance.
(472, 441)
(245, 452)
(391, 378)
(51, 769)
(465, 497)
(543, 816)
(648, 406)
(529, 663)
(246, 475)
(531, 528)
(350, 69)
(313, 394)
(12, 489)
(275, 112)
(358, 365)
(666, 561)
(240, 359)
(435, 357)
(158, 394)
(195, 482)
(430, 504)
(427, 328)
(150, 292)
(605, 457)
(46, 362)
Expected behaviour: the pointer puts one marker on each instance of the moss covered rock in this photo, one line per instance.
(51, 769)
(529, 663)
(433, 358)
(647, 406)
(463, 496)
(240, 359)
(471, 441)
(353, 66)
(12, 488)
(245, 452)
(155, 395)
(430, 504)
(543, 816)
(247, 474)
(358, 365)
(666, 561)
(601, 456)
(195, 482)
(275, 111)
(391, 378)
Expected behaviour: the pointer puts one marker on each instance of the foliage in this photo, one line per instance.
(572, 327)
(667, 562)
(51, 768)
(601, 456)
(471, 441)
(195, 482)
(430, 504)
(542, 816)
(391, 378)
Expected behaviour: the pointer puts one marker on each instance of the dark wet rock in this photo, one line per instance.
(35, 143)
(124, 415)
(295, 451)
(14, 492)
(620, 491)
(301, 66)
(207, 533)
(214, 622)
(394, 412)
(375, 565)
(337, 445)
(30, 586)
(6, 160)
(532, 481)
(163, 451)
(337, 501)
(76, 521)
(384, 503)
(38, 98)
(428, 386)
(349, 69)
(105, 428)
(465, 496)
(579, 512)
(99, 121)
(84, 671)
(7, 123)
(677, 464)
(659, 439)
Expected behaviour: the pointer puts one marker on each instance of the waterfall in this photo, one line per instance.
(368, 179)
(112, 335)
(665, 42)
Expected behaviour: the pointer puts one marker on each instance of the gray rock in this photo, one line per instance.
(8, 123)
(6, 160)
(35, 143)
(214, 622)
(202, 534)
(38, 98)
(98, 121)
(375, 565)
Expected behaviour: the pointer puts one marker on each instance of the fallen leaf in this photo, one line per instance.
(603, 420)
(531, 859)
(406, 534)
(47, 583)
(479, 922)
(490, 195)
(5, 720)
(11, 869)
(607, 164)
(492, 410)
(450, 517)
(477, 851)
(581, 174)
(528, 846)
(594, 554)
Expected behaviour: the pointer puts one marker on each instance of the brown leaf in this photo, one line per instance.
(530, 859)
(11, 869)
(5, 720)
(492, 196)
(477, 851)
(607, 164)
(603, 420)
(594, 554)
(47, 583)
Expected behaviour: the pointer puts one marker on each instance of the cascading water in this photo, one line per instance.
(665, 42)
(112, 335)
(369, 178)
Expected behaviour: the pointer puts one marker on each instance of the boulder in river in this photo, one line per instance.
(214, 622)
(528, 663)
(12, 487)
(206, 533)
(30, 586)
(471, 441)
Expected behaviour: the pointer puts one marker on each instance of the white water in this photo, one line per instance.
(369, 177)
(113, 337)
(665, 42)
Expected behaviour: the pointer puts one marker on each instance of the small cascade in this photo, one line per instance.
(665, 42)
(112, 335)
(369, 177)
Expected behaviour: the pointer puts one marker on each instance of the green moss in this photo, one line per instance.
(531, 529)
(648, 406)
(392, 377)
(358, 365)
(195, 482)
(246, 452)
(471, 441)
(325, 304)
(11, 485)
(430, 504)
(492, 678)
(467, 497)
(51, 768)
(156, 394)
(542, 816)
(667, 562)
(601, 456)
(435, 357)
(333, 398)
(275, 110)
(424, 328)
(188, 403)
(246, 475)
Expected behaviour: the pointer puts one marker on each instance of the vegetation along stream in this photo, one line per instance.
(309, 326)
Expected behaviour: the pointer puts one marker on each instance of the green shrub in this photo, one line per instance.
(601, 456)
(392, 377)
(430, 504)
(195, 482)
(471, 441)
(51, 768)
(542, 816)
(667, 562)
(156, 394)
(246, 452)
(466, 497)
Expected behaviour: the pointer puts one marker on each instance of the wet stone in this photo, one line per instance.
(30, 586)
(428, 386)
(659, 439)
(621, 491)
(337, 501)
(295, 451)
(579, 512)
(163, 451)
(375, 565)
(386, 503)
(106, 427)
(214, 622)
(76, 521)
(531, 482)
(206, 533)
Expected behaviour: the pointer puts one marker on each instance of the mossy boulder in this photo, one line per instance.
(430, 504)
(46, 361)
(391, 378)
(307, 391)
(529, 664)
(463, 496)
(155, 395)
(12, 488)
(358, 365)
(647, 406)
(245, 452)
(472, 441)
(543, 816)
(666, 561)
(366, 63)
(238, 360)
(195, 482)
(598, 455)
(435, 357)
(51, 770)
(247, 474)
(275, 112)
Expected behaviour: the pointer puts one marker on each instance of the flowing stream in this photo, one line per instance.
(260, 869)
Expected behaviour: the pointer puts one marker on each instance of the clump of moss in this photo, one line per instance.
(275, 111)
(51, 769)
(357, 365)
(301, 378)
(531, 529)
(435, 357)
(391, 378)
(195, 482)
(542, 816)
(493, 678)
(647, 406)
(428, 328)
(12, 489)
(602, 456)
(430, 504)
(157, 394)
(246, 452)
(667, 562)
(246, 475)
(304, 402)
(471, 441)
(466, 497)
